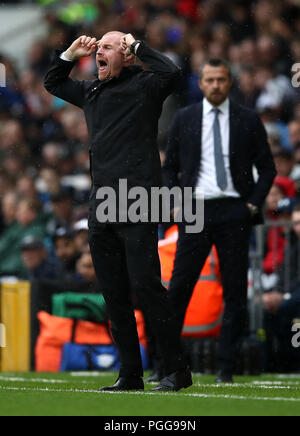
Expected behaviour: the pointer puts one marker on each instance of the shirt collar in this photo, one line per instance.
(208, 107)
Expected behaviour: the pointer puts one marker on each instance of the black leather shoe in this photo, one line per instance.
(175, 382)
(126, 384)
(224, 378)
(154, 378)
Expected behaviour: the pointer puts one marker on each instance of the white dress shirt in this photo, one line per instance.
(207, 181)
(64, 57)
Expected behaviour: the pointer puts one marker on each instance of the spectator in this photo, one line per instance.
(38, 263)
(248, 91)
(294, 132)
(274, 137)
(282, 188)
(51, 154)
(12, 136)
(85, 268)
(30, 221)
(9, 208)
(51, 182)
(282, 306)
(242, 21)
(81, 234)
(248, 53)
(284, 161)
(269, 108)
(26, 187)
(63, 207)
(66, 251)
(13, 165)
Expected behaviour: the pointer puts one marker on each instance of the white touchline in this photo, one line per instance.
(51, 381)
(276, 383)
(39, 380)
(91, 374)
(254, 385)
(243, 385)
(287, 376)
(194, 395)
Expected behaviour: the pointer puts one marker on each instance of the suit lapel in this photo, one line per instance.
(196, 136)
(234, 131)
(199, 127)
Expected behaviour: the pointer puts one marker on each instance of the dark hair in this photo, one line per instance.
(284, 153)
(297, 208)
(216, 62)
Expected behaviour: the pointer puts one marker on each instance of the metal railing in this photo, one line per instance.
(281, 269)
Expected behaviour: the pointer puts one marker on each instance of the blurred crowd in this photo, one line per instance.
(44, 145)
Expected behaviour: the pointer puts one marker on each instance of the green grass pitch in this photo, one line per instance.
(74, 394)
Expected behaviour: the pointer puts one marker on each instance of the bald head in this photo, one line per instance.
(115, 33)
(111, 58)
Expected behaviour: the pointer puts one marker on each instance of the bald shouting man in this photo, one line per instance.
(122, 110)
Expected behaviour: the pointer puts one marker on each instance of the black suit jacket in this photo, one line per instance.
(122, 116)
(248, 147)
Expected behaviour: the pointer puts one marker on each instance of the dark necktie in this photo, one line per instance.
(219, 157)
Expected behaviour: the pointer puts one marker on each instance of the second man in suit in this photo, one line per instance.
(213, 147)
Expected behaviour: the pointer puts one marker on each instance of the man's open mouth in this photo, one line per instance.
(102, 65)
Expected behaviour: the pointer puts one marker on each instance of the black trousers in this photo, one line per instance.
(126, 261)
(228, 227)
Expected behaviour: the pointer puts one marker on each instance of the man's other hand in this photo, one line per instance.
(83, 47)
(126, 43)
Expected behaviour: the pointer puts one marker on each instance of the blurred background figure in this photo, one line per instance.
(29, 221)
(9, 209)
(283, 188)
(81, 234)
(66, 251)
(282, 305)
(85, 268)
(38, 263)
(62, 207)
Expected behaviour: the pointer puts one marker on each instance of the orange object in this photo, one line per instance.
(141, 328)
(55, 332)
(205, 311)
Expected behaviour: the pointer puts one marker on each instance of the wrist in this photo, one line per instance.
(70, 55)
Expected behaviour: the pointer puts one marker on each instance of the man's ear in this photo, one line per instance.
(129, 60)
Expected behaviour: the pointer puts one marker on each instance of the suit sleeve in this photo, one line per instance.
(171, 167)
(165, 75)
(58, 83)
(264, 162)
